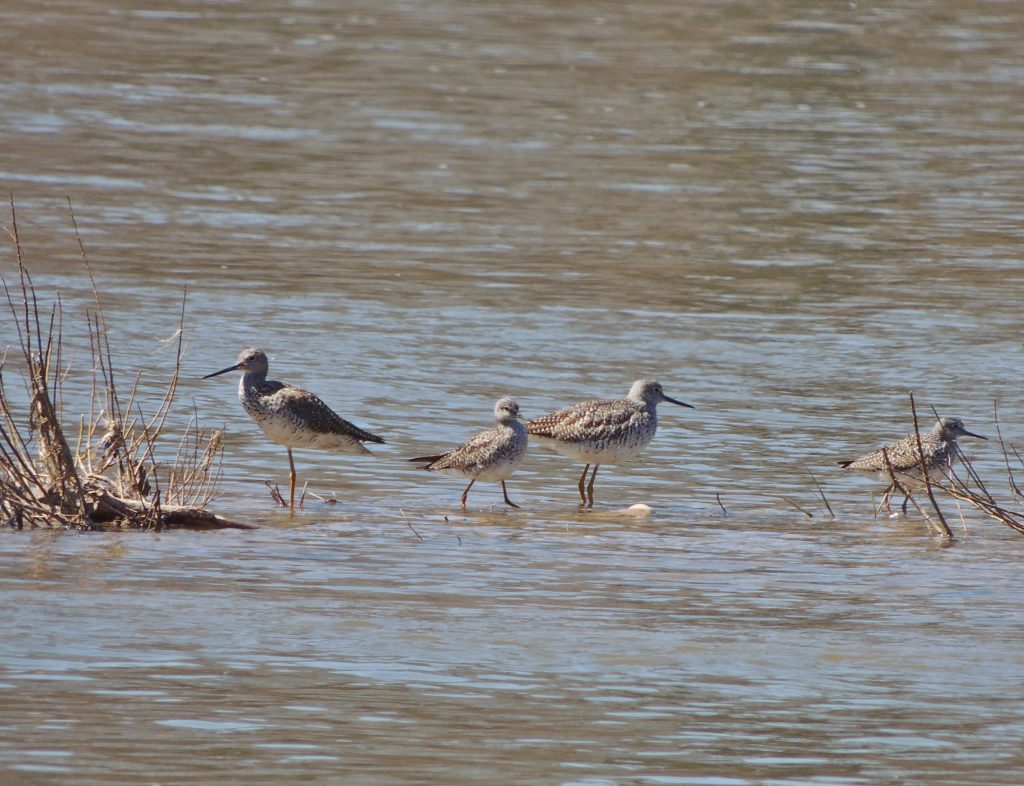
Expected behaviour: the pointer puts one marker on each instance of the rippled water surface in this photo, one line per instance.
(791, 214)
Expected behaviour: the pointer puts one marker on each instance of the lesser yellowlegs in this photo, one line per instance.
(603, 432)
(291, 416)
(939, 447)
(490, 456)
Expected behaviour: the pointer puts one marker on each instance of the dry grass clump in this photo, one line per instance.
(108, 474)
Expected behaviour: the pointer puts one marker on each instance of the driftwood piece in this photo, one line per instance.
(111, 509)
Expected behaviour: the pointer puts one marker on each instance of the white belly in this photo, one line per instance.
(598, 452)
(492, 460)
(288, 433)
(492, 474)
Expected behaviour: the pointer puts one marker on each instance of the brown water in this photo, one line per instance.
(789, 213)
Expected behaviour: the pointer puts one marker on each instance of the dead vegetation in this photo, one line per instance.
(110, 472)
(961, 482)
(975, 492)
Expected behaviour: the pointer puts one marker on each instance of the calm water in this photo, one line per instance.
(791, 214)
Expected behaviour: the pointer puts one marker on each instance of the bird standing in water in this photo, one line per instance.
(603, 432)
(491, 455)
(938, 446)
(291, 416)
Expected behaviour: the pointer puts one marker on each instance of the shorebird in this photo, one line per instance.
(938, 446)
(603, 432)
(291, 416)
(491, 455)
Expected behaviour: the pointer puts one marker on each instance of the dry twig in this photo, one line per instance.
(942, 527)
(821, 491)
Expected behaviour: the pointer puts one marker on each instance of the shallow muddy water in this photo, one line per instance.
(791, 214)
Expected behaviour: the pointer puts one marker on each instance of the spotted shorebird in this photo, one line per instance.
(490, 456)
(291, 416)
(603, 432)
(938, 446)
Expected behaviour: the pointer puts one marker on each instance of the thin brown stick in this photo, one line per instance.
(795, 505)
(944, 530)
(409, 524)
(821, 491)
(897, 485)
(275, 493)
(1010, 479)
(331, 500)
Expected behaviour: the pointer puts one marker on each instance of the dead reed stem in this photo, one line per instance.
(978, 494)
(969, 487)
(114, 477)
(793, 503)
(821, 492)
(943, 527)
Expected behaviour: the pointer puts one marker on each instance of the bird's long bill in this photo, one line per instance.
(674, 401)
(222, 371)
(972, 434)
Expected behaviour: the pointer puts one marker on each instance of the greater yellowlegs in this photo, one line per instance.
(603, 432)
(490, 456)
(939, 447)
(291, 416)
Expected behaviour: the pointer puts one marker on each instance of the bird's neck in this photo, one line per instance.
(511, 424)
(250, 384)
(938, 437)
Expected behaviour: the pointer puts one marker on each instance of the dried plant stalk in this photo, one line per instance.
(114, 476)
(942, 526)
(977, 493)
(969, 487)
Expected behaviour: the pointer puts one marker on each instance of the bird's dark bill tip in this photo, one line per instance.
(222, 371)
(680, 403)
